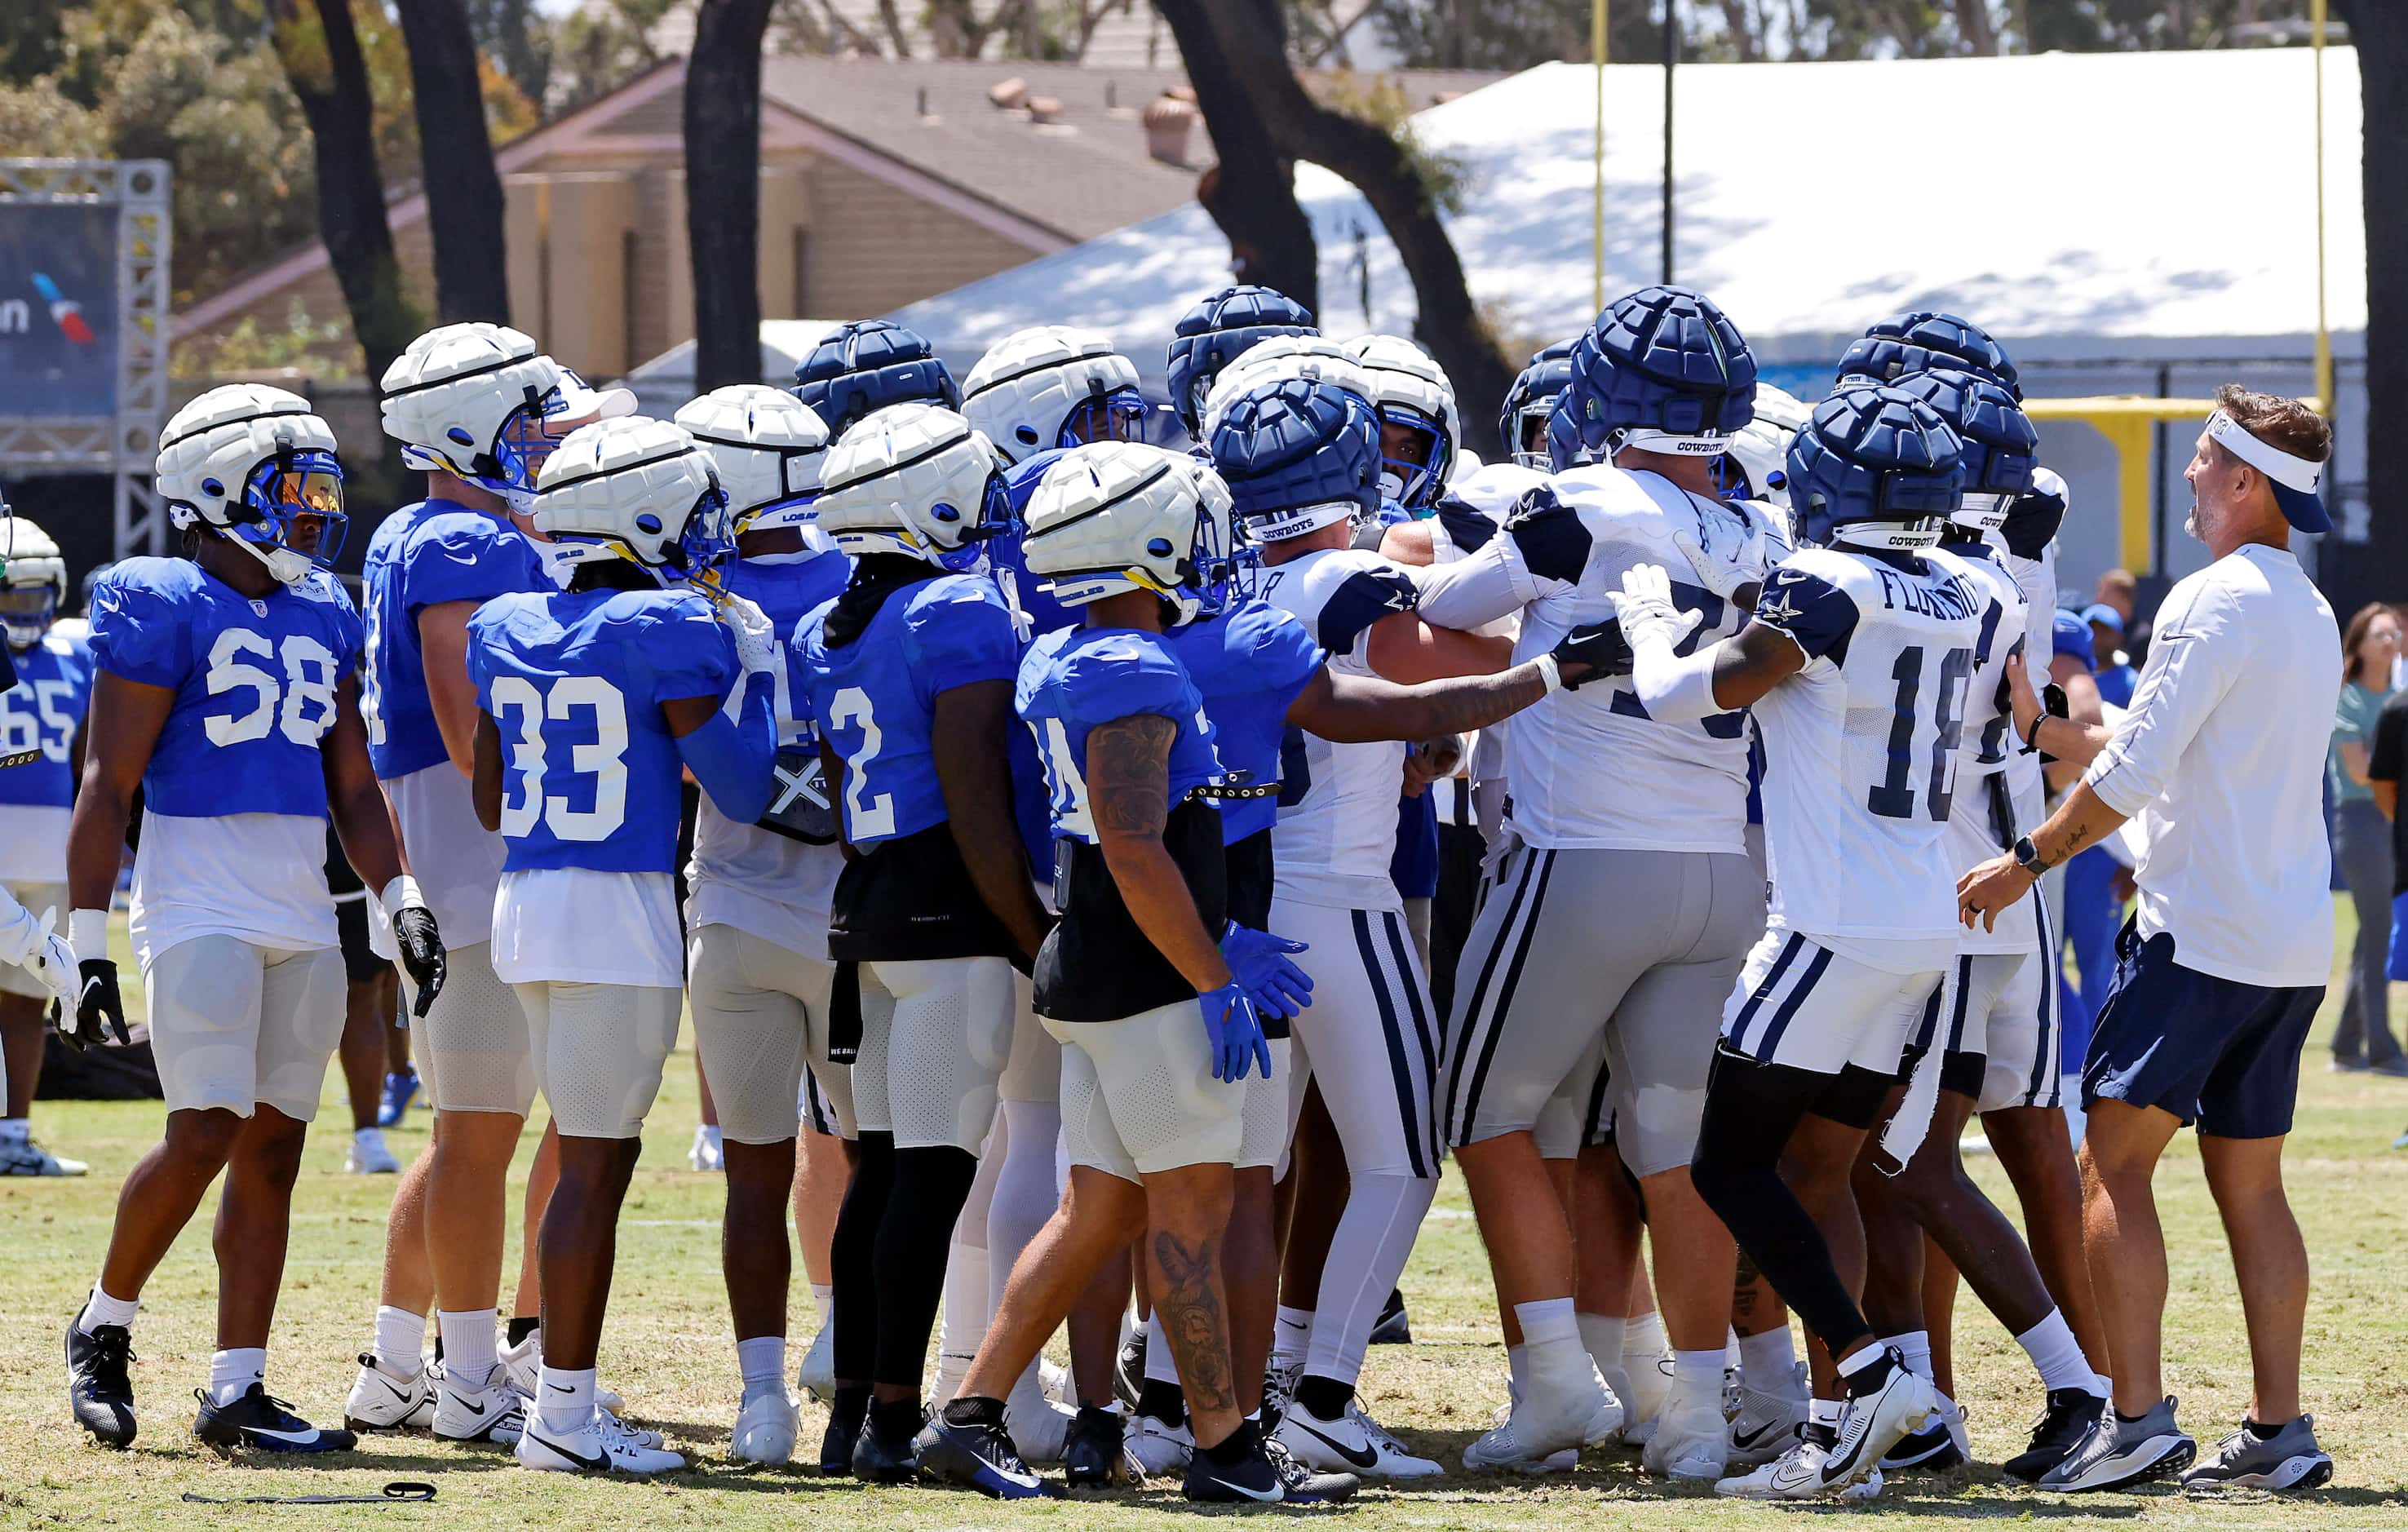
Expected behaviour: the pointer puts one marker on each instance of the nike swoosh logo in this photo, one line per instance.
(1361, 1459)
(1748, 1438)
(475, 1409)
(598, 1463)
(559, 1388)
(1276, 1492)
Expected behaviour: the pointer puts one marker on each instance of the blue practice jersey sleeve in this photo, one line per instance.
(958, 632)
(681, 649)
(1817, 614)
(468, 556)
(137, 628)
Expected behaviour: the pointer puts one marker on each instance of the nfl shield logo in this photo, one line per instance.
(259, 607)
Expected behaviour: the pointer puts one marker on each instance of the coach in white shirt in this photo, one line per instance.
(2221, 969)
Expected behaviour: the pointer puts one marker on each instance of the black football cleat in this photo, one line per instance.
(978, 1457)
(1128, 1371)
(2060, 1431)
(264, 1423)
(1092, 1457)
(100, 1389)
(1394, 1327)
(847, 1414)
(889, 1455)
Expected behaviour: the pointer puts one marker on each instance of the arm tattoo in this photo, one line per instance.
(1474, 702)
(1129, 775)
(1193, 1320)
(1743, 1283)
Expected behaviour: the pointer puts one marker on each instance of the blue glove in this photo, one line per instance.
(1258, 961)
(1235, 1032)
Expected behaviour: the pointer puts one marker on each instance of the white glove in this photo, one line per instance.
(1644, 603)
(1727, 553)
(756, 637)
(36, 947)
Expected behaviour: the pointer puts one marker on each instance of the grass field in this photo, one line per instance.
(669, 1351)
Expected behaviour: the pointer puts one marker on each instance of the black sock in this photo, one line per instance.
(439, 1345)
(908, 1260)
(2262, 1431)
(2132, 1419)
(1165, 1402)
(1325, 1398)
(896, 1419)
(852, 1402)
(1870, 1377)
(1237, 1446)
(522, 1328)
(974, 1410)
(851, 1252)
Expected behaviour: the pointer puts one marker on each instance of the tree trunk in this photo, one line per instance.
(2377, 568)
(1250, 194)
(471, 279)
(1377, 166)
(1974, 27)
(321, 54)
(723, 189)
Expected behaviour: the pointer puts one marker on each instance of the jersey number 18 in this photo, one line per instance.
(1894, 796)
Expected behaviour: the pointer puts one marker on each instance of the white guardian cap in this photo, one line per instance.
(914, 479)
(637, 489)
(256, 463)
(479, 401)
(33, 581)
(768, 448)
(1053, 385)
(1123, 516)
(1314, 357)
(1411, 393)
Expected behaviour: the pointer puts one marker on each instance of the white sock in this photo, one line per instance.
(1915, 1346)
(1700, 1374)
(564, 1398)
(2057, 1357)
(233, 1372)
(100, 1308)
(400, 1343)
(468, 1345)
(1517, 1363)
(1161, 1366)
(1768, 1362)
(1551, 1334)
(15, 1130)
(1602, 1335)
(1642, 1340)
(1862, 1358)
(824, 1302)
(1826, 1411)
(965, 1315)
(763, 1361)
(1291, 1338)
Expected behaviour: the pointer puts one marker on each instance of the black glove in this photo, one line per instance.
(421, 952)
(2032, 520)
(1592, 654)
(99, 1009)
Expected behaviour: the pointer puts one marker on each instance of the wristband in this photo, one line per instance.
(401, 894)
(1552, 673)
(88, 933)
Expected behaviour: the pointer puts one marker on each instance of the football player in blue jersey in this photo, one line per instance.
(1219, 329)
(1868, 618)
(477, 410)
(225, 694)
(1034, 394)
(760, 982)
(593, 701)
(909, 679)
(42, 713)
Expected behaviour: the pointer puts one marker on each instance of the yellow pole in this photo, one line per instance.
(2324, 337)
(1597, 216)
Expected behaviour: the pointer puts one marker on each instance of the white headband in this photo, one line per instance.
(1672, 443)
(2293, 473)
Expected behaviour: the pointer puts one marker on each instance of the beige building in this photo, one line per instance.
(881, 183)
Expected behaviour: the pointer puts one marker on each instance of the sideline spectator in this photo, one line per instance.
(2115, 674)
(2362, 842)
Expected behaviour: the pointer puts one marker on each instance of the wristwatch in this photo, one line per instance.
(2027, 856)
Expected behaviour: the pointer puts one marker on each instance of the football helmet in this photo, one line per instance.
(1757, 465)
(914, 479)
(637, 489)
(1999, 442)
(1415, 402)
(480, 402)
(1053, 385)
(1522, 426)
(1298, 454)
(1211, 335)
(33, 581)
(767, 446)
(1875, 469)
(1123, 516)
(868, 364)
(253, 462)
(1662, 370)
(1285, 356)
(1925, 338)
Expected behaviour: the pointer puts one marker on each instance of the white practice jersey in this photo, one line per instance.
(1861, 748)
(1337, 829)
(1591, 770)
(1995, 779)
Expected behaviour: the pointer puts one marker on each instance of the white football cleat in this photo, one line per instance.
(24, 1158)
(369, 1155)
(1767, 1424)
(1353, 1443)
(378, 1401)
(593, 1448)
(1159, 1450)
(1496, 1451)
(816, 1376)
(1690, 1439)
(1040, 1434)
(1876, 1421)
(708, 1153)
(523, 1362)
(1798, 1475)
(766, 1426)
(494, 1413)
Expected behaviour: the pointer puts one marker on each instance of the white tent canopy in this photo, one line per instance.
(2074, 203)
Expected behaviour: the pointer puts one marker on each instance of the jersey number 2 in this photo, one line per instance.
(1894, 796)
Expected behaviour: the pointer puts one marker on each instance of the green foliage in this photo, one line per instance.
(1445, 178)
(301, 345)
(41, 119)
(597, 49)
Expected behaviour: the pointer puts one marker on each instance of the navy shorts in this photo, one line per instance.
(2214, 1052)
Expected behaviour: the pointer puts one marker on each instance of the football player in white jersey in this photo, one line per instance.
(1302, 460)
(759, 981)
(226, 695)
(1856, 664)
(1658, 386)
